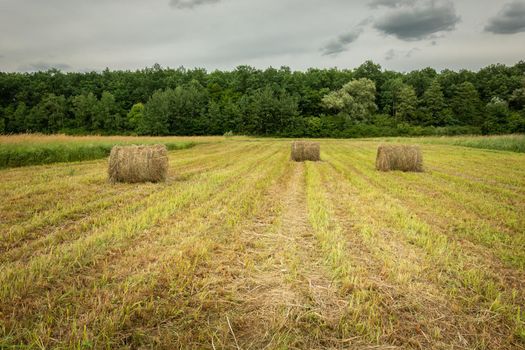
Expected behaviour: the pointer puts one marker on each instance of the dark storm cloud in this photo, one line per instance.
(419, 22)
(189, 4)
(510, 20)
(43, 66)
(340, 44)
(390, 3)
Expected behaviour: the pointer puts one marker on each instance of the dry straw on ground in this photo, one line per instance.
(305, 150)
(138, 163)
(399, 157)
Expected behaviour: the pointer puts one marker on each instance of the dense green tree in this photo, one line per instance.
(433, 105)
(390, 95)
(200, 102)
(8, 117)
(187, 107)
(19, 121)
(267, 112)
(421, 79)
(369, 70)
(49, 115)
(516, 123)
(85, 111)
(497, 80)
(135, 116)
(407, 106)
(313, 127)
(517, 99)
(215, 116)
(465, 104)
(231, 116)
(356, 99)
(496, 117)
(107, 115)
(156, 119)
(2, 121)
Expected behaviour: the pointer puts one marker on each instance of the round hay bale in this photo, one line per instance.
(399, 157)
(138, 163)
(306, 150)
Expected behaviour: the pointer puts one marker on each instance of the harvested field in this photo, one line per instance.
(241, 248)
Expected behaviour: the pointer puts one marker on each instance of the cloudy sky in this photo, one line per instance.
(80, 35)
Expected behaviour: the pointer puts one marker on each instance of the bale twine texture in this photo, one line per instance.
(399, 157)
(138, 163)
(305, 150)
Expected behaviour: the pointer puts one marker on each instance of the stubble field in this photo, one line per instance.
(243, 249)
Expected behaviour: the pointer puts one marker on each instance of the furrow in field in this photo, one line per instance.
(454, 209)
(44, 270)
(449, 184)
(498, 178)
(70, 215)
(285, 296)
(490, 302)
(262, 277)
(391, 303)
(106, 212)
(395, 298)
(168, 258)
(472, 233)
(32, 186)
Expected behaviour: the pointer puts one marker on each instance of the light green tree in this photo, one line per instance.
(356, 99)
(136, 116)
(157, 114)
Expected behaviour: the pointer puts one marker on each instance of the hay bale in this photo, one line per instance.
(138, 163)
(399, 157)
(305, 150)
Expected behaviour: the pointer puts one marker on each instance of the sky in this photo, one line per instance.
(402, 35)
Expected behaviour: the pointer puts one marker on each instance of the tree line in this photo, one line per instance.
(365, 101)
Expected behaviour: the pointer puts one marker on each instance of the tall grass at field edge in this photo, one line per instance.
(509, 143)
(18, 155)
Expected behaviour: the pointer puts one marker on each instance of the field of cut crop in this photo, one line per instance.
(243, 249)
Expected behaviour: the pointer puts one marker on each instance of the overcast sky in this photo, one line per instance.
(80, 35)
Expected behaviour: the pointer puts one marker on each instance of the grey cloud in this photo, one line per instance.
(410, 52)
(510, 20)
(341, 43)
(419, 22)
(390, 3)
(189, 4)
(43, 66)
(391, 54)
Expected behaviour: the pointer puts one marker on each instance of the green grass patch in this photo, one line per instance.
(510, 143)
(18, 155)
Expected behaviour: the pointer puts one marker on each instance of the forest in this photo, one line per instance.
(362, 102)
